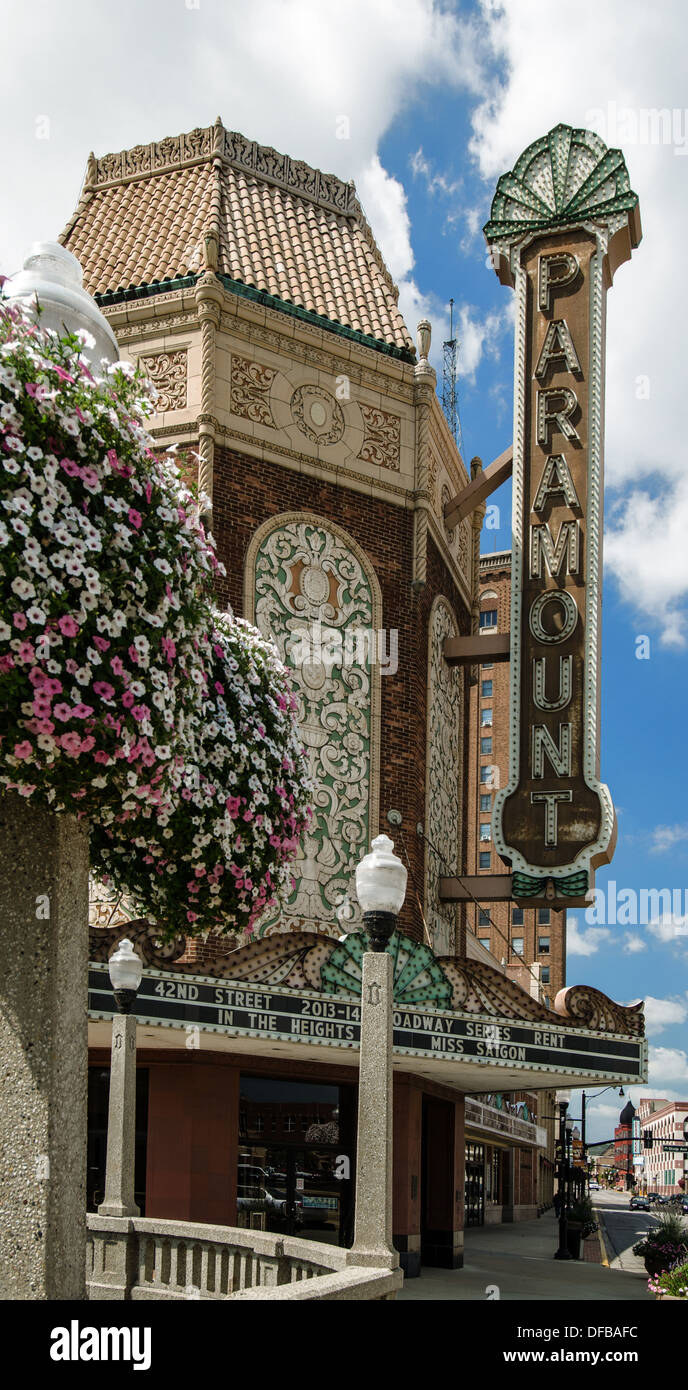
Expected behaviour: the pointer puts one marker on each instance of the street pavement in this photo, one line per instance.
(515, 1262)
(621, 1228)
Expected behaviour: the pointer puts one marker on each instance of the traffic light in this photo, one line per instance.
(647, 1138)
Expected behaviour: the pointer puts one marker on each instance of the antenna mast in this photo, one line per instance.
(450, 404)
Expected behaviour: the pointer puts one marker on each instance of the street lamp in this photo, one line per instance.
(584, 1099)
(125, 976)
(563, 1253)
(380, 888)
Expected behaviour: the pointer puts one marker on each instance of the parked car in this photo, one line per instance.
(594, 1187)
(639, 1204)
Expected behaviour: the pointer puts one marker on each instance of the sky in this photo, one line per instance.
(424, 105)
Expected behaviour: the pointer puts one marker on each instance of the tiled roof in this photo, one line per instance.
(281, 228)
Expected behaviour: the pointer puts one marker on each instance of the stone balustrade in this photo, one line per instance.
(144, 1258)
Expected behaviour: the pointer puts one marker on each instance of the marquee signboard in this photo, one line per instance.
(252, 1010)
(561, 223)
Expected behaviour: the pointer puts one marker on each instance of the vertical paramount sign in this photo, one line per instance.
(561, 223)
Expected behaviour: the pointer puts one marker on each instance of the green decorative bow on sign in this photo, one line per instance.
(526, 886)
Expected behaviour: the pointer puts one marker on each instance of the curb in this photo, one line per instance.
(601, 1235)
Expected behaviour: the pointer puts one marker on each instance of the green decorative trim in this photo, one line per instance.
(328, 325)
(145, 291)
(525, 886)
(270, 301)
(563, 179)
(418, 977)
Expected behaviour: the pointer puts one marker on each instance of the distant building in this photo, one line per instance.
(663, 1170)
(623, 1147)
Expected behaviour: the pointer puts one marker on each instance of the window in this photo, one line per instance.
(544, 975)
(543, 945)
(487, 665)
(517, 945)
(486, 745)
(543, 916)
(484, 941)
(517, 917)
(485, 830)
(486, 689)
(486, 717)
(488, 618)
(484, 859)
(485, 800)
(483, 916)
(486, 773)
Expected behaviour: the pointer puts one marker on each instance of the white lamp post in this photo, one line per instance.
(125, 975)
(380, 887)
(52, 276)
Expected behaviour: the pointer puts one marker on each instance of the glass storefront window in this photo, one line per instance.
(302, 1181)
(474, 1214)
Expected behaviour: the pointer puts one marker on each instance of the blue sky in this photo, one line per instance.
(440, 98)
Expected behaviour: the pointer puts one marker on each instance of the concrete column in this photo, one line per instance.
(121, 1134)
(43, 1052)
(373, 1220)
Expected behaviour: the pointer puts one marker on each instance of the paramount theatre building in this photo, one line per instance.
(251, 289)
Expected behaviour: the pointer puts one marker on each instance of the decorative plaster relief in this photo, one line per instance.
(251, 383)
(167, 371)
(315, 597)
(317, 414)
(382, 441)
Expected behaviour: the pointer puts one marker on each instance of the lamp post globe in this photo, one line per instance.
(125, 969)
(381, 888)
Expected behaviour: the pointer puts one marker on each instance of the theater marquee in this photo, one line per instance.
(265, 1014)
(561, 223)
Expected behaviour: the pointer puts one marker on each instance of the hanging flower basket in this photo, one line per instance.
(105, 574)
(218, 852)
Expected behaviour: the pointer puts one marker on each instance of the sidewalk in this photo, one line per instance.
(515, 1262)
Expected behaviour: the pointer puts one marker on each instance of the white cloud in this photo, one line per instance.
(633, 944)
(556, 65)
(435, 182)
(291, 76)
(668, 1064)
(384, 201)
(585, 943)
(666, 837)
(663, 1013)
(669, 927)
